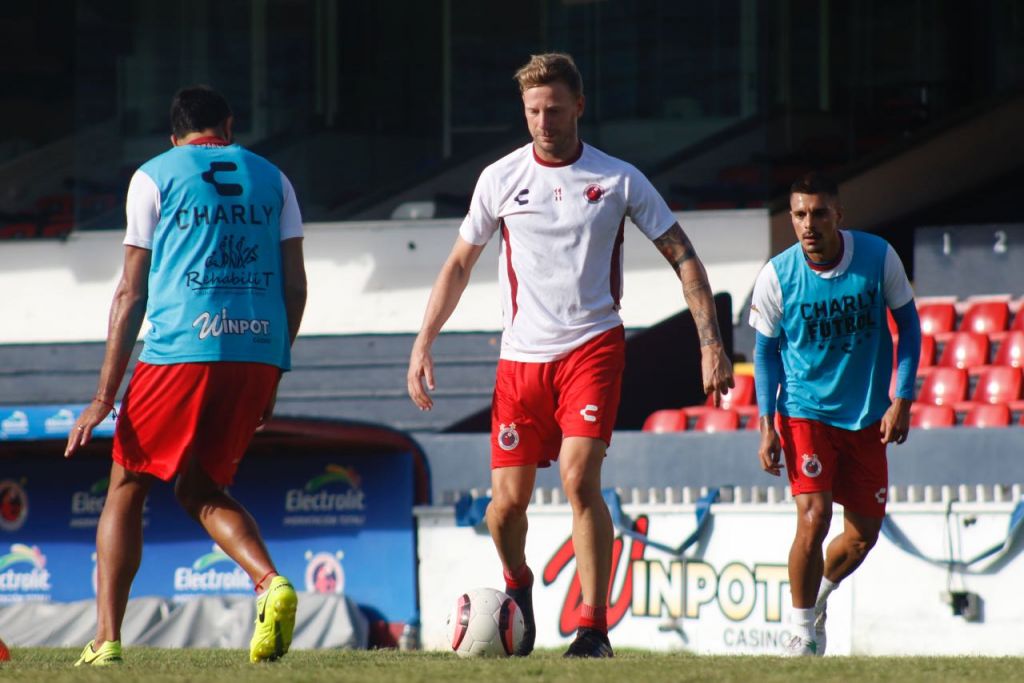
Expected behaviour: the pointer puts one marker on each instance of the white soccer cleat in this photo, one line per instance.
(800, 647)
(819, 631)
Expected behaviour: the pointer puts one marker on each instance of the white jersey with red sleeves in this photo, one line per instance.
(560, 257)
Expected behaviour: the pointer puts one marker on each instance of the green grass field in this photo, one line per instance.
(45, 665)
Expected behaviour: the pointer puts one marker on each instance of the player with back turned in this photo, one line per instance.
(560, 208)
(823, 365)
(213, 259)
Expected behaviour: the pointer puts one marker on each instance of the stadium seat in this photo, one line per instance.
(988, 415)
(965, 350)
(986, 317)
(740, 395)
(927, 356)
(1018, 320)
(717, 420)
(1011, 350)
(936, 317)
(893, 330)
(944, 386)
(928, 416)
(667, 420)
(998, 384)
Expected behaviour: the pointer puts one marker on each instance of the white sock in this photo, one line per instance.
(826, 589)
(802, 621)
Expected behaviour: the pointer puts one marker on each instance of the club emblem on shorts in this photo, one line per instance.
(593, 193)
(880, 495)
(811, 466)
(508, 437)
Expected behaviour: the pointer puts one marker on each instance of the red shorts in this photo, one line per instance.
(536, 405)
(210, 410)
(852, 465)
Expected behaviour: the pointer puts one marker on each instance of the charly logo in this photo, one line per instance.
(324, 573)
(13, 504)
(593, 193)
(508, 437)
(15, 424)
(23, 574)
(880, 495)
(334, 498)
(222, 167)
(215, 325)
(213, 572)
(811, 466)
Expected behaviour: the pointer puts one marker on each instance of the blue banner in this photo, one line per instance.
(334, 522)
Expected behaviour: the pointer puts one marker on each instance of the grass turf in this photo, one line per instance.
(54, 665)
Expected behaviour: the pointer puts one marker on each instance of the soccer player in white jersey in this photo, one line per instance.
(560, 206)
(823, 366)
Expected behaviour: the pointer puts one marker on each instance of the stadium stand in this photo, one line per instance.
(997, 384)
(965, 350)
(985, 415)
(985, 317)
(665, 420)
(1011, 349)
(937, 316)
(713, 420)
(928, 416)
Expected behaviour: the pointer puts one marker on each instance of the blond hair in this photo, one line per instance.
(549, 68)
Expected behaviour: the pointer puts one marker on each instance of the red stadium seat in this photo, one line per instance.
(927, 356)
(742, 394)
(749, 416)
(988, 415)
(936, 317)
(1018, 320)
(1011, 350)
(965, 350)
(893, 330)
(928, 416)
(998, 384)
(667, 420)
(986, 317)
(944, 386)
(717, 420)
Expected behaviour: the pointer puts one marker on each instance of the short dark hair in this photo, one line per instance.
(814, 183)
(196, 108)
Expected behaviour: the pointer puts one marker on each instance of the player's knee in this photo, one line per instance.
(504, 509)
(189, 499)
(862, 545)
(580, 489)
(814, 524)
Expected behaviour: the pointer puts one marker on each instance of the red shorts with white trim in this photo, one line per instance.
(850, 464)
(171, 413)
(536, 405)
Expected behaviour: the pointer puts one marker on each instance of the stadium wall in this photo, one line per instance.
(728, 594)
(364, 277)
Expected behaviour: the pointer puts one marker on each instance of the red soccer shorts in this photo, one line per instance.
(536, 405)
(171, 413)
(850, 464)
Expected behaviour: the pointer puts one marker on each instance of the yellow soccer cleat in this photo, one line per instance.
(275, 622)
(109, 653)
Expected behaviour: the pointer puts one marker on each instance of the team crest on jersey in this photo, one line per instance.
(593, 193)
(508, 437)
(811, 465)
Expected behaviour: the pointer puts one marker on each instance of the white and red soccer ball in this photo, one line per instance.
(485, 623)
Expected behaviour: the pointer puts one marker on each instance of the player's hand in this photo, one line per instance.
(421, 371)
(895, 425)
(770, 450)
(716, 371)
(81, 433)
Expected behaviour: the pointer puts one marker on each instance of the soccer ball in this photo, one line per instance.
(485, 623)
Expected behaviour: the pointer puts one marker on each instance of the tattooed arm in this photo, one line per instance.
(716, 368)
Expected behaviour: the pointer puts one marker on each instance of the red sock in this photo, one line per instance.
(594, 617)
(519, 578)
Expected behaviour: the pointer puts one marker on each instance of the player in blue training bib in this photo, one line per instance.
(213, 258)
(823, 368)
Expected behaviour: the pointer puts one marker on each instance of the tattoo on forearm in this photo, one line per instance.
(675, 246)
